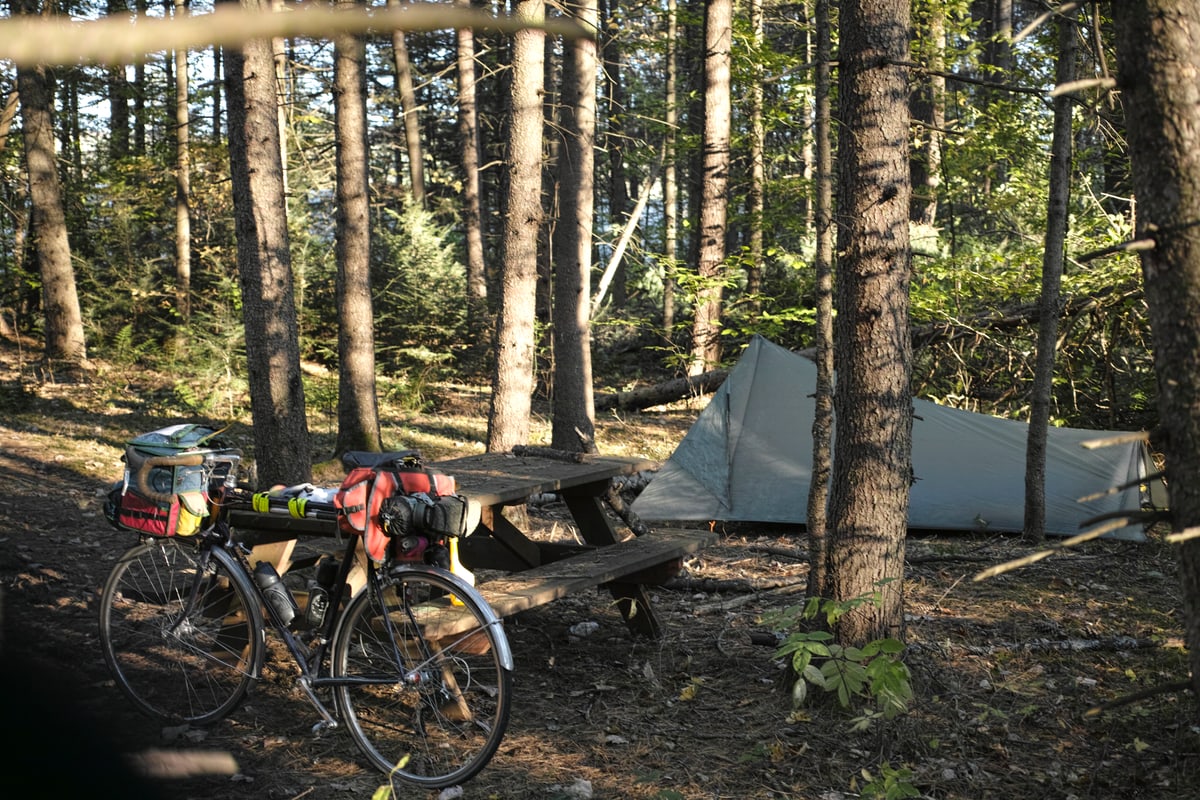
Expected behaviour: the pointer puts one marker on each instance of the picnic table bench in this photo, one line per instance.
(539, 572)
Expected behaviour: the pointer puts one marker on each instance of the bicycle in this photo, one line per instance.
(416, 661)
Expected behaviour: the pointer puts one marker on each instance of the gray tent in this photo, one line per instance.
(748, 457)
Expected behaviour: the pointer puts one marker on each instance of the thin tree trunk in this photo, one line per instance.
(822, 425)
(573, 424)
(929, 119)
(358, 408)
(118, 96)
(872, 462)
(755, 199)
(671, 174)
(468, 127)
(281, 446)
(7, 115)
(706, 329)
(217, 134)
(183, 190)
(1057, 220)
(408, 107)
(512, 378)
(618, 187)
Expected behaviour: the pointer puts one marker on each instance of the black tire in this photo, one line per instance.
(430, 712)
(182, 630)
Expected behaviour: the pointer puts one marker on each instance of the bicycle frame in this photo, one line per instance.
(313, 662)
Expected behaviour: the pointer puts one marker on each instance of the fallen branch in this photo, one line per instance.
(1144, 694)
(746, 599)
(728, 585)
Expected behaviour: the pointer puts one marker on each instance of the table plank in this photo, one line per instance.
(541, 585)
(503, 479)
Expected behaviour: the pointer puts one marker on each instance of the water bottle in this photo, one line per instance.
(280, 599)
(318, 593)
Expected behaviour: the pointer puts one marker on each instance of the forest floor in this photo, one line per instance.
(1004, 671)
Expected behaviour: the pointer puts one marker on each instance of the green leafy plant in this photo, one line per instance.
(873, 673)
(891, 783)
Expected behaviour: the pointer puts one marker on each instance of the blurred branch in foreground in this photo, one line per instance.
(117, 40)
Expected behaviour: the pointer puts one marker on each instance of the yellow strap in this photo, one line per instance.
(261, 502)
(296, 506)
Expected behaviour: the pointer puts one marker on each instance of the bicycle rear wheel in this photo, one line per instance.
(182, 630)
(429, 677)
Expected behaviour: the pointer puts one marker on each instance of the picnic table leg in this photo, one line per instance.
(632, 598)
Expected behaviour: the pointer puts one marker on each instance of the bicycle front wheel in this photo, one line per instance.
(181, 630)
(427, 676)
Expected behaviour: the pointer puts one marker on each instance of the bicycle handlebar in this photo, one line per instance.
(141, 477)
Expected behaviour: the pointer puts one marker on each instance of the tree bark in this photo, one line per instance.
(929, 118)
(1158, 56)
(60, 298)
(408, 108)
(618, 187)
(573, 423)
(822, 423)
(755, 200)
(183, 186)
(358, 407)
(281, 446)
(706, 328)
(118, 95)
(468, 128)
(671, 174)
(1057, 221)
(872, 466)
(512, 376)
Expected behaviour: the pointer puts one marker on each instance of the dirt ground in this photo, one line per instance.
(1003, 671)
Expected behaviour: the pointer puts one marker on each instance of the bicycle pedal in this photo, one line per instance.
(324, 726)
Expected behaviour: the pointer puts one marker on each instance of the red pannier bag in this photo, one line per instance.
(365, 489)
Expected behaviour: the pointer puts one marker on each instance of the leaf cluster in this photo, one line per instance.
(873, 673)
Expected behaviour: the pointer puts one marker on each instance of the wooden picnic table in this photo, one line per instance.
(539, 572)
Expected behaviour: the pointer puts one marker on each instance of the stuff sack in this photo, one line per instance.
(188, 486)
(364, 491)
(184, 516)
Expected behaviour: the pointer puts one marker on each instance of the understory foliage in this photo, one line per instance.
(873, 674)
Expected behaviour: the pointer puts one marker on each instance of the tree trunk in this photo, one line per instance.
(60, 299)
(279, 56)
(7, 114)
(183, 189)
(118, 95)
(872, 466)
(755, 192)
(822, 424)
(408, 107)
(1057, 220)
(512, 377)
(358, 408)
(671, 174)
(573, 425)
(281, 446)
(929, 119)
(706, 328)
(468, 128)
(618, 186)
(217, 132)
(1158, 55)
